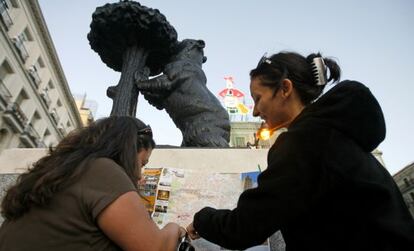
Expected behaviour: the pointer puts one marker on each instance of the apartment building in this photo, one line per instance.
(405, 181)
(36, 106)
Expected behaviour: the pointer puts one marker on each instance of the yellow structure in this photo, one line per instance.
(84, 111)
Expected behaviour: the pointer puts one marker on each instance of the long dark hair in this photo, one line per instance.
(117, 137)
(298, 69)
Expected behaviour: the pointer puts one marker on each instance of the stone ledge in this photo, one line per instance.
(17, 160)
(224, 160)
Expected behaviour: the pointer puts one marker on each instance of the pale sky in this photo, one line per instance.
(372, 41)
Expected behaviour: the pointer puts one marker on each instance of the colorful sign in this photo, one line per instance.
(231, 98)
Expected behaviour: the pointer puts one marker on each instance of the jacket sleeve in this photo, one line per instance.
(287, 189)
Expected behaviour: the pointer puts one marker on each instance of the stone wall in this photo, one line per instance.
(6, 179)
(16, 161)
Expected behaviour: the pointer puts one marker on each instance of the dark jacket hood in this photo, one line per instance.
(350, 108)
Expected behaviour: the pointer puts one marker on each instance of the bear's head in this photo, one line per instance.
(190, 49)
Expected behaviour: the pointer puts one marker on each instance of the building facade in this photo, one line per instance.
(405, 181)
(243, 135)
(36, 106)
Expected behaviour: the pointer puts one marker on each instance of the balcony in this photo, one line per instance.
(30, 137)
(44, 95)
(55, 116)
(19, 44)
(4, 96)
(62, 129)
(34, 75)
(15, 117)
(5, 16)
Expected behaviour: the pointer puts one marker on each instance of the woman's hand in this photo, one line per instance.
(183, 232)
(192, 232)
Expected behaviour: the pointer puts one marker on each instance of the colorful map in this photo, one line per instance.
(175, 195)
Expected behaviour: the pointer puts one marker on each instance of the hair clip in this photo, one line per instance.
(319, 70)
(264, 59)
(145, 131)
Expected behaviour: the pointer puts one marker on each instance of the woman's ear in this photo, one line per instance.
(286, 87)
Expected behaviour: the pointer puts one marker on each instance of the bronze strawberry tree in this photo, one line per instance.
(134, 40)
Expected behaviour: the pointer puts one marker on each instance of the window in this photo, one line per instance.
(14, 3)
(4, 138)
(240, 142)
(47, 133)
(50, 85)
(22, 102)
(47, 137)
(26, 35)
(5, 69)
(22, 98)
(18, 106)
(36, 116)
(21, 48)
(9, 3)
(406, 182)
(40, 63)
(4, 13)
(5, 4)
(36, 121)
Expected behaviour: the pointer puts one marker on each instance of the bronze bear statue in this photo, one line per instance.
(182, 91)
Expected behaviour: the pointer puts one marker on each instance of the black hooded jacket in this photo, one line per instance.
(322, 188)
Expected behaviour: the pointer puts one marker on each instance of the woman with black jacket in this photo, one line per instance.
(322, 188)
